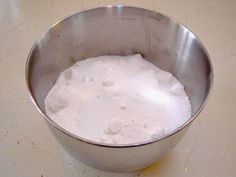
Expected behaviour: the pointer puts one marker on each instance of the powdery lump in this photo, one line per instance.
(117, 100)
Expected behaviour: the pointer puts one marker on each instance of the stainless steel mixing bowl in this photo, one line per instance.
(119, 30)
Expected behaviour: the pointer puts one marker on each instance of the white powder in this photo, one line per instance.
(117, 100)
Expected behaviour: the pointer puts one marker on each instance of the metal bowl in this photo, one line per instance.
(119, 30)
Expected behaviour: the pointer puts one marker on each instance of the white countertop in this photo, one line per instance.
(27, 148)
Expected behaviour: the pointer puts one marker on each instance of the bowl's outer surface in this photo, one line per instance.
(119, 30)
(117, 159)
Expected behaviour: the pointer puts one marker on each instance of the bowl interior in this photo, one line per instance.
(120, 30)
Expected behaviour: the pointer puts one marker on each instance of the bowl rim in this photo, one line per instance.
(76, 137)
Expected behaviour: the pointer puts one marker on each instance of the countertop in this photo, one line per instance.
(27, 148)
